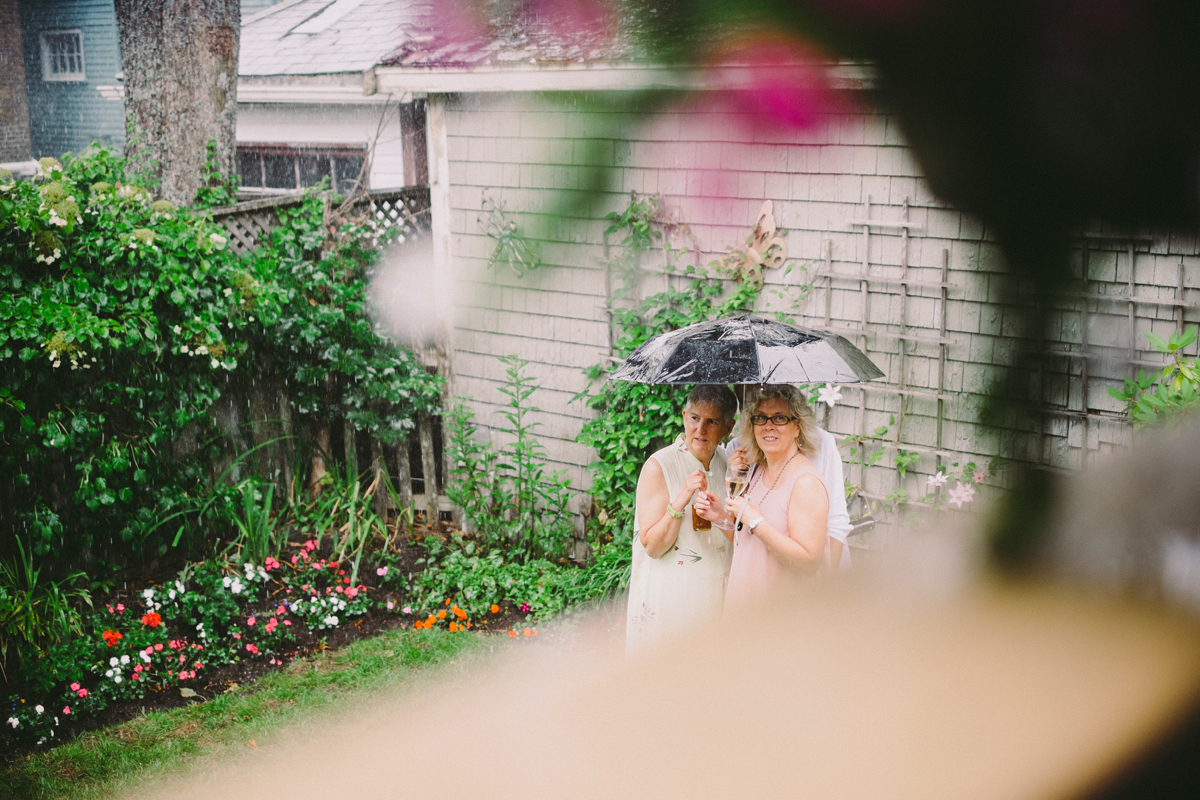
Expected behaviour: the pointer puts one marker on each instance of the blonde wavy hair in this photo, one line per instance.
(797, 407)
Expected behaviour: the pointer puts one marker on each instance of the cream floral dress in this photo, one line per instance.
(686, 585)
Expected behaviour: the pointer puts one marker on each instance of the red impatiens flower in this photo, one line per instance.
(152, 620)
(111, 638)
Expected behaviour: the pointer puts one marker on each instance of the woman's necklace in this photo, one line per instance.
(778, 476)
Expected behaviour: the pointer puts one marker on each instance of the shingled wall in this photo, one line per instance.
(714, 169)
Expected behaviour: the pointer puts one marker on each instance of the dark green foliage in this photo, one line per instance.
(123, 320)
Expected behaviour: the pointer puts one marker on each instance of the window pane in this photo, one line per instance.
(250, 169)
(281, 171)
(313, 167)
(347, 168)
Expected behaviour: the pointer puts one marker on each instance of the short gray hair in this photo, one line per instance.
(717, 396)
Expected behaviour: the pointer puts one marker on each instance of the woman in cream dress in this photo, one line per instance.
(678, 574)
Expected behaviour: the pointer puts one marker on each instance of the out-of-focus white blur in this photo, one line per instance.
(412, 301)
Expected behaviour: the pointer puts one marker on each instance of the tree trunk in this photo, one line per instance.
(351, 448)
(382, 500)
(180, 59)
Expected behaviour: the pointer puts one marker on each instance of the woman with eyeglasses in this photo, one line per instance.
(782, 515)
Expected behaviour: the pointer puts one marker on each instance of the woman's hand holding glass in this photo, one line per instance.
(708, 506)
(740, 507)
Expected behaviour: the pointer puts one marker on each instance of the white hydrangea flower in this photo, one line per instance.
(215, 363)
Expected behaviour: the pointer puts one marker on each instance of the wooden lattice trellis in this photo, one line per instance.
(250, 223)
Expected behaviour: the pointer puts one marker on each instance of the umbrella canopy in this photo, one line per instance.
(747, 349)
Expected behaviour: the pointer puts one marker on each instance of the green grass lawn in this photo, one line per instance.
(113, 761)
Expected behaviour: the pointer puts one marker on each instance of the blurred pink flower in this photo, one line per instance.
(381, 571)
(251, 620)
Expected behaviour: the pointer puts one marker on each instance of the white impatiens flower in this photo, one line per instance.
(125, 659)
(39, 709)
(215, 363)
(829, 394)
(117, 678)
(148, 593)
(14, 721)
(114, 662)
(934, 481)
(962, 493)
(177, 329)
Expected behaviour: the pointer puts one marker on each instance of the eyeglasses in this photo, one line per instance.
(778, 420)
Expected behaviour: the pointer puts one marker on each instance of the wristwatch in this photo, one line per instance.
(752, 524)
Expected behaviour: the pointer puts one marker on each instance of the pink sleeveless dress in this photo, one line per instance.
(755, 571)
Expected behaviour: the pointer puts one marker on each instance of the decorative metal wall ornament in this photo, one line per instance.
(511, 247)
(764, 249)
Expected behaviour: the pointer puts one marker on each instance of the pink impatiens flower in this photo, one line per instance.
(252, 649)
(381, 571)
(74, 687)
(251, 620)
(67, 710)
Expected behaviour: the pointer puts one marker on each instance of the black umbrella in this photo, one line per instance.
(747, 349)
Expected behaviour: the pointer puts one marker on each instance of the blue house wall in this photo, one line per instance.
(69, 115)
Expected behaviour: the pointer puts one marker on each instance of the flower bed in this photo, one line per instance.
(218, 626)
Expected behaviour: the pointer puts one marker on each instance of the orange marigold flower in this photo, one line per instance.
(447, 601)
(454, 627)
(441, 615)
(535, 631)
(495, 609)
(430, 620)
(152, 620)
(418, 625)
(458, 612)
(111, 638)
(527, 633)
(512, 634)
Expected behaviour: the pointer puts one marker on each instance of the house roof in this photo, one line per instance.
(316, 37)
(407, 46)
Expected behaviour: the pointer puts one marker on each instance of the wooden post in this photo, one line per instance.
(348, 444)
(428, 467)
(289, 444)
(403, 476)
(382, 501)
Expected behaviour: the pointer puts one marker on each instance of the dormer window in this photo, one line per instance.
(62, 56)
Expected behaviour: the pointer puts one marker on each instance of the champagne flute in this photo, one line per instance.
(737, 480)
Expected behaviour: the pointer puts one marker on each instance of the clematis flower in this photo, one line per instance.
(979, 475)
(962, 493)
(829, 394)
(935, 481)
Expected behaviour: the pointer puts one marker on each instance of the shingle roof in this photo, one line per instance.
(354, 35)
